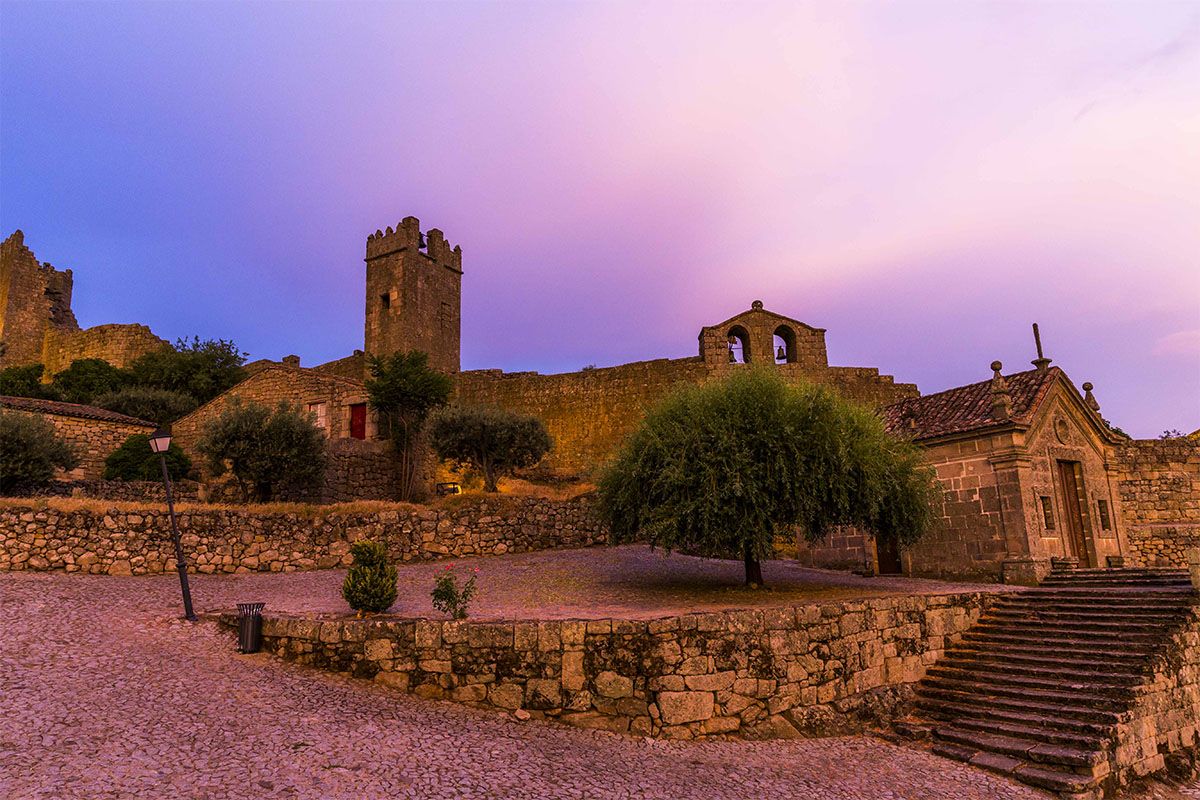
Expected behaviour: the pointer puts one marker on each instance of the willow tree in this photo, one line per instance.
(721, 470)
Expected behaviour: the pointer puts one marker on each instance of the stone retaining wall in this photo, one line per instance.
(1165, 721)
(757, 673)
(135, 539)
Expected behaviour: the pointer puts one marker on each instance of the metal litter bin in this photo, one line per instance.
(250, 627)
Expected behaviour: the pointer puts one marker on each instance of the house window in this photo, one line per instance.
(1105, 522)
(320, 419)
(1047, 513)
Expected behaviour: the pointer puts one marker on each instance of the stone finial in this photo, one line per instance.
(757, 305)
(1001, 398)
(1089, 399)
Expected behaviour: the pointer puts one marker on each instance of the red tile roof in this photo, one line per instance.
(968, 408)
(40, 406)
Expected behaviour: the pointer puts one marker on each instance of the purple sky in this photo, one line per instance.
(923, 180)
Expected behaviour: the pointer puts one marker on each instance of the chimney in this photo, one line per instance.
(1041, 362)
(292, 361)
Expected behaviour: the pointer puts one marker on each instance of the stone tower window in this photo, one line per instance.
(739, 345)
(784, 345)
(385, 300)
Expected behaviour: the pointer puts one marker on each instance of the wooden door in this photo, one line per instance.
(888, 550)
(1070, 477)
(358, 421)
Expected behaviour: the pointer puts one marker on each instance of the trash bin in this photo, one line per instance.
(250, 627)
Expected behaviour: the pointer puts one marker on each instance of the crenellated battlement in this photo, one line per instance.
(407, 236)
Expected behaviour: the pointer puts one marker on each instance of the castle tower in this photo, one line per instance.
(414, 291)
(35, 300)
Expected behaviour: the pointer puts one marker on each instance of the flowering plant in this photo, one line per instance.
(451, 598)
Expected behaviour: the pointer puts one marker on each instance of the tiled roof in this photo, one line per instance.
(967, 408)
(39, 406)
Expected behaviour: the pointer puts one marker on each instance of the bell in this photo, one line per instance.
(732, 339)
(732, 357)
(781, 355)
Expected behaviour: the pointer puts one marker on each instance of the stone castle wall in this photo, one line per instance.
(1159, 489)
(591, 412)
(781, 672)
(136, 539)
(119, 345)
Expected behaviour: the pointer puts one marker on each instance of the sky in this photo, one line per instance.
(924, 180)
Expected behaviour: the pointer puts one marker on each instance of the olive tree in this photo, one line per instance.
(269, 451)
(721, 469)
(30, 451)
(490, 440)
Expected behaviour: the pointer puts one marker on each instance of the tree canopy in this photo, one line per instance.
(403, 389)
(135, 461)
(86, 379)
(160, 406)
(721, 469)
(269, 451)
(199, 368)
(490, 440)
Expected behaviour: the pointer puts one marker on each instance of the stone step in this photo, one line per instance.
(1095, 631)
(1092, 684)
(991, 689)
(1065, 782)
(1030, 704)
(1044, 666)
(958, 712)
(1154, 619)
(1048, 734)
(1067, 646)
(1082, 760)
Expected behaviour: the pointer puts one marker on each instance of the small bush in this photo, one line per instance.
(25, 382)
(371, 581)
(135, 461)
(449, 597)
(30, 451)
(160, 406)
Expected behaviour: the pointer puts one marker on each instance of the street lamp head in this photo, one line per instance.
(160, 440)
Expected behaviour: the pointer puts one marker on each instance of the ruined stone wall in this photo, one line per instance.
(34, 300)
(1164, 721)
(1159, 486)
(92, 440)
(119, 345)
(135, 539)
(591, 412)
(817, 668)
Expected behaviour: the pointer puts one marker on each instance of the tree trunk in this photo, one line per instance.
(753, 569)
(489, 480)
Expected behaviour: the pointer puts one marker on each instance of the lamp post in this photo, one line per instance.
(160, 440)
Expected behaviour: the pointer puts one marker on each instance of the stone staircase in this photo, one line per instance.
(1035, 690)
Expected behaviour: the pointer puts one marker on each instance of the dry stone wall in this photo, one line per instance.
(136, 539)
(1160, 500)
(93, 440)
(809, 669)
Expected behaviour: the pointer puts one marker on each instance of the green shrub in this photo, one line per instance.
(25, 382)
(370, 583)
(489, 440)
(721, 469)
(135, 461)
(160, 406)
(30, 451)
(86, 379)
(449, 597)
(269, 451)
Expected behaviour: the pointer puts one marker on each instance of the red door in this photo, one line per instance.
(358, 421)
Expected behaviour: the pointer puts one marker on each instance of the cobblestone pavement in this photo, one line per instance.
(104, 694)
(631, 581)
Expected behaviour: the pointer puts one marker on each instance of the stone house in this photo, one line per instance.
(94, 433)
(360, 463)
(1030, 472)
